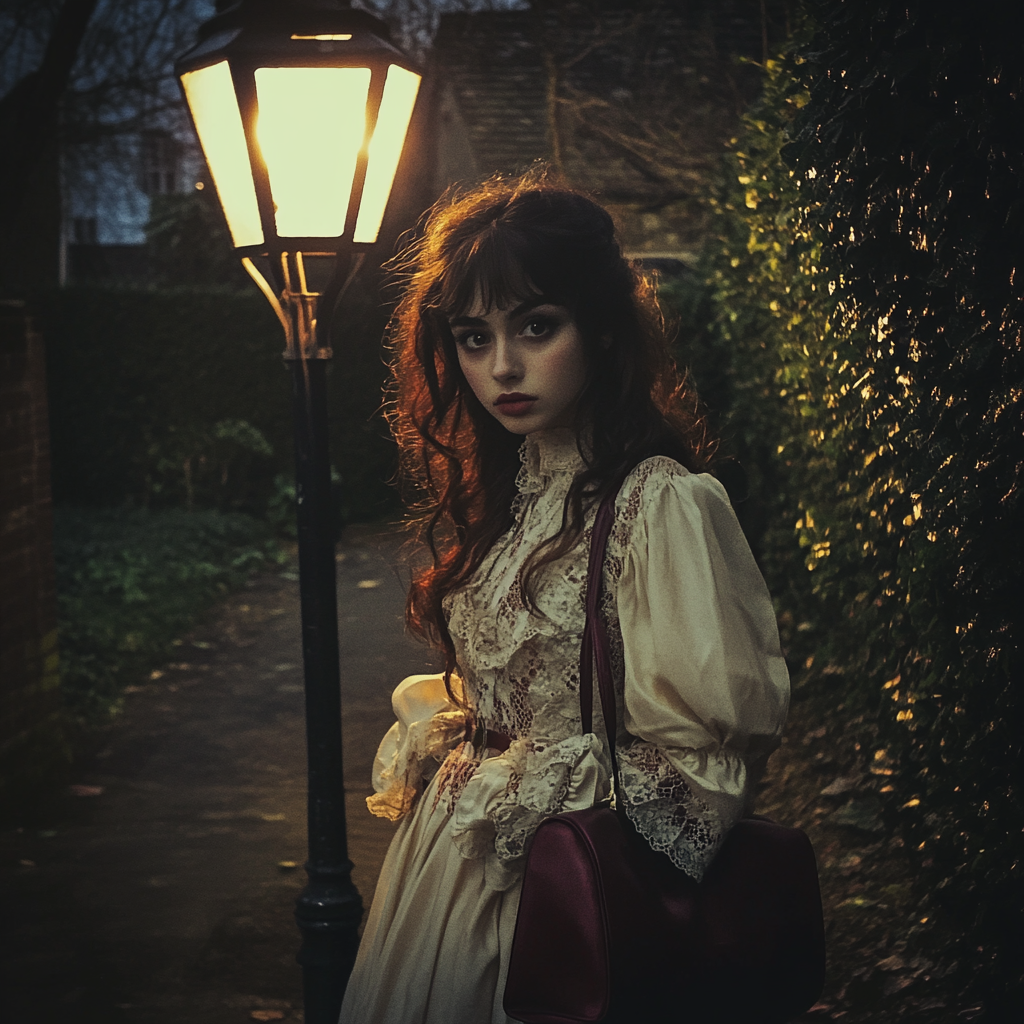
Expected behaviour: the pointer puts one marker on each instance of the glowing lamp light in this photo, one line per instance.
(301, 109)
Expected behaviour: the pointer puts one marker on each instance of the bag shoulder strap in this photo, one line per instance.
(594, 648)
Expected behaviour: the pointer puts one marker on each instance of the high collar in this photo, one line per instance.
(547, 456)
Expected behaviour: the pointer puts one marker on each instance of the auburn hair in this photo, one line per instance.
(500, 243)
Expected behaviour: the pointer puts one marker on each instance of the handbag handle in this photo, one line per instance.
(595, 636)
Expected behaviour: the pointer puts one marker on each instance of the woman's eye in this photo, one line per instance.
(471, 340)
(538, 327)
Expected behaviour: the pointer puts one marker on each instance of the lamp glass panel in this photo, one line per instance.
(399, 98)
(211, 98)
(311, 126)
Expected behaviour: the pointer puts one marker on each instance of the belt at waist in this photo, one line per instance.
(487, 738)
(497, 740)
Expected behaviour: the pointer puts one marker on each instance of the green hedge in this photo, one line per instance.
(858, 336)
(179, 397)
(131, 580)
(913, 125)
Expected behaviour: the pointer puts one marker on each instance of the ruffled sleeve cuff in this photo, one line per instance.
(429, 725)
(666, 810)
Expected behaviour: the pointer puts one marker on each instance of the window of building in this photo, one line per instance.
(161, 163)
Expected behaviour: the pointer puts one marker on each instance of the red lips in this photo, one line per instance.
(515, 403)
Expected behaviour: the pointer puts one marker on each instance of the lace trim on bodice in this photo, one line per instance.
(520, 668)
(548, 456)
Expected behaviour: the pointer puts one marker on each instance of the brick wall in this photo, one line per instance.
(31, 741)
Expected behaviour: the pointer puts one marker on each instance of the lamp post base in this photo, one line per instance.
(328, 913)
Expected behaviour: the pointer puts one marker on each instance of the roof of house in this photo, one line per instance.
(644, 96)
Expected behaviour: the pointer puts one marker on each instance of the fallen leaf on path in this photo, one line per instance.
(891, 963)
(267, 1015)
(858, 901)
(79, 790)
(253, 1002)
(368, 584)
(850, 863)
(896, 984)
(865, 815)
(841, 785)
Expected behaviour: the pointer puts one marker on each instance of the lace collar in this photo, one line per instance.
(548, 455)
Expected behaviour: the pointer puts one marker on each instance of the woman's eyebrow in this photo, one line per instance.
(466, 321)
(531, 304)
(523, 307)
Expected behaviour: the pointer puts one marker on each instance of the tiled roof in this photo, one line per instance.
(617, 62)
(497, 78)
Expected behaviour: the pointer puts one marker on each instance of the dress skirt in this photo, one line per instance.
(436, 944)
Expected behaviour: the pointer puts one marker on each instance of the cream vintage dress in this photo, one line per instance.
(705, 695)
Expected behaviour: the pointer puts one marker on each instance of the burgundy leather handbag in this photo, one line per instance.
(610, 930)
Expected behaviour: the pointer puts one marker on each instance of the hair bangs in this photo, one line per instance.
(489, 270)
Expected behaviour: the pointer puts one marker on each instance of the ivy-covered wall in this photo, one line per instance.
(859, 340)
(911, 146)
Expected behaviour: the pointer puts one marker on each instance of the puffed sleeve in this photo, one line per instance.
(429, 725)
(706, 687)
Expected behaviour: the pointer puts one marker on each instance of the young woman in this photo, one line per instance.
(532, 375)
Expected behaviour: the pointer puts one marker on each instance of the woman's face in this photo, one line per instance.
(526, 364)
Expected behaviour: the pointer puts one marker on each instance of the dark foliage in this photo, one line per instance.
(915, 127)
(130, 581)
(188, 244)
(178, 397)
(857, 336)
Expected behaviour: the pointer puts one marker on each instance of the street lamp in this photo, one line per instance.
(302, 108)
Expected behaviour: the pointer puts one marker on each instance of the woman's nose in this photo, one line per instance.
(507, 365)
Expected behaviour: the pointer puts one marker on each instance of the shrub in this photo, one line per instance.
(178, 397)
(913, 130)
(129, 581)
(864, 301)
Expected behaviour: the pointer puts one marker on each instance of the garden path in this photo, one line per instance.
(157, 890)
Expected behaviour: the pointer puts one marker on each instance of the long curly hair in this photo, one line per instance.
(500, 243)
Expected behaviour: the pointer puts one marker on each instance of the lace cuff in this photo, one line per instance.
(666, 811)
(429, 725)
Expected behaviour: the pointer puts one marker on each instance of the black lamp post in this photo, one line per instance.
(301, 108)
